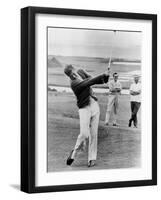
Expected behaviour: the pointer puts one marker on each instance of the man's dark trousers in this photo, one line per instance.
(134, 109)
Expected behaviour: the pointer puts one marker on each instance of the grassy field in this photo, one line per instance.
(117, 147)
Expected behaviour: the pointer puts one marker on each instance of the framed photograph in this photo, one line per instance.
(88, 99)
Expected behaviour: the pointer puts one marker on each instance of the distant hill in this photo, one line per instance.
(53, 62)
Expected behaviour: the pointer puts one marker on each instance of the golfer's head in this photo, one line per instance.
(70, 71)
(115, 76)
(136, 78)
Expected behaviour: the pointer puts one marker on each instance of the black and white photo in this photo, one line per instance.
(88, 99)
(90, 85)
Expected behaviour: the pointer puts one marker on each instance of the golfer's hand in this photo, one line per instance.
(107, 73)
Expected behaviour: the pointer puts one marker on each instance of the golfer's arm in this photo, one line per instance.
(92, 81)
(84, 74)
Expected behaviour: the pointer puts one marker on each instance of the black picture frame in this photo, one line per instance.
(28, 98)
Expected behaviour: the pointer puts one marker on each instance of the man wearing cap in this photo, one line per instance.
(81, 82)
(112, 105)
(135, 100)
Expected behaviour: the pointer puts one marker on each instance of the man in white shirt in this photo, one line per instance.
(112, 105)
(135, 99)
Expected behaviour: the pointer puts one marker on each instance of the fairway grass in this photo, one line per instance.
(117, 147)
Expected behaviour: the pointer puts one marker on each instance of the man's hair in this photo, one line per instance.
(115, 74)
(68, 69)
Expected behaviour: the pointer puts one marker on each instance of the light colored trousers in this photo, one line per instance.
(112, 108)
(89, 120)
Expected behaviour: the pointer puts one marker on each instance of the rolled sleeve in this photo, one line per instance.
(92, 81)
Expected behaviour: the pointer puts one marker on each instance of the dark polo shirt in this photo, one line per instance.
(82, 89)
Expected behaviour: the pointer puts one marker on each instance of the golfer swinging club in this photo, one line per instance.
(89, 113)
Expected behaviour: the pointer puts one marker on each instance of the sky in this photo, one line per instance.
(94, 43)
